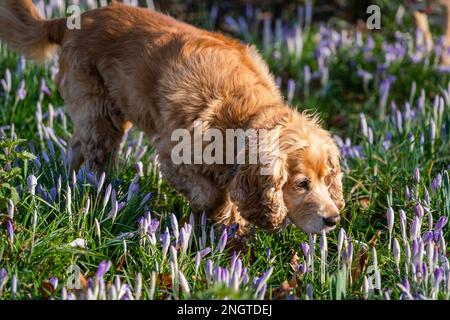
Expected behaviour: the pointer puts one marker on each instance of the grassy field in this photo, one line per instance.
(129, 235)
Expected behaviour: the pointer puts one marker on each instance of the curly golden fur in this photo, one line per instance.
(130, 66)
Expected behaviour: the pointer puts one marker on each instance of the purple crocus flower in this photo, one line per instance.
(384, 92)
(7, 82)
(10, 230)
(153, 226)
(213, 14)
(427, 236)
(301, 269)
(87, 205)
(268, 253)
(54, 282)
(390, 219)
(43, 87)
(415, 228)
(184, 241)
(205, 252)
(209, 271)
(21, 92)
(421, 101)
(438, 277)
(426, 196)
(290, 90)
(399, 121)
(440, 224)
(443, 69)
(305, 249)
(365, 75)
(306, 78)
(198, 258)
(101, 181)
(139, 168)
(309, 291)
(387, 140)
(31, 184)
(146, 198)
(10, 209)
(364, 126)
(175, 230)
(222, 241)
(370, 135)
(407, 193)
(184, 284)
(173, 258)
(3, 278)
(114, 208)
(232, 23)
(417, 175)
(133, 189)
(419, 211)
(165, 239)
(436, 183)
(432, 130)
(14, 286)
(396, 252)
(103, 268)
(349, 259)
(263, 280)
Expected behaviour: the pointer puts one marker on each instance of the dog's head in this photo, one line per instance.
(304, 180)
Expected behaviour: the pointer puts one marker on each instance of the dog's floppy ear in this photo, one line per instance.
(259, 197)
(334, 178)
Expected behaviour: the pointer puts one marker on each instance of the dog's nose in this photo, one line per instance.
(332, 221)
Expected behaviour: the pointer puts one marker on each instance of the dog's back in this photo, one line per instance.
(140, 66)
(24, 30)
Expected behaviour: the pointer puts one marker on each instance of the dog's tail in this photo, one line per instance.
(24, 30)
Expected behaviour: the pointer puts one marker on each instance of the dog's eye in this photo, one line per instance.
(303, 184)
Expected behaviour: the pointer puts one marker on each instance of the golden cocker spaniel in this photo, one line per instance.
(130, 66)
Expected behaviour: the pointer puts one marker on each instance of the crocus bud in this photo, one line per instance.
(416, 175)
(100, 183)
(407, 193)
(165, 239)
(107, 195)
(175, 229)
(103, 268)
(419, 211)
(10, 230)
(396, 252)
(364, 127)
(14, 286)
(438, 277)
(390, 219)
(139, 168)
(197, 261)
(309, 291)
(10, 209)
(31, 184)
(426, 196)
(222, 241)
(403, 224)
(184, 284)
(208, 271)
(341, 238)
(440, 224)
(305, 249)
(54, 282)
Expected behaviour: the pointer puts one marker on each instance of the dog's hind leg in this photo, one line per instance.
(98, 121)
